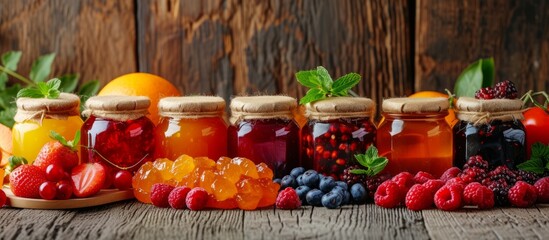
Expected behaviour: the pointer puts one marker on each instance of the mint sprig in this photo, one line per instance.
(49, 89)
(372, 162)
(322, 86)
(539, 159)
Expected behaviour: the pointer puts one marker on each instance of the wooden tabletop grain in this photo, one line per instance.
(134, 220)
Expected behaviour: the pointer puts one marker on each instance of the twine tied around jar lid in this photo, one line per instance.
(66, 105)
(479, 112)
(119, 108)
(415, 105)
(340, 107)
(262, 107)
(192, 107)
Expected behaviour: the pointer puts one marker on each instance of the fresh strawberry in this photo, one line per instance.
(25, 181)
(60, 152)
(88, 179)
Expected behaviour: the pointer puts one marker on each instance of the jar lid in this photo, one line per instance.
(64, 106)
(262, 107)
(415, 105)
(479, 111)
(121, 108)
(340, 107)
(191, 107)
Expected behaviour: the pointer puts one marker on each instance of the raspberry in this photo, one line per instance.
(506, 89)
(500, 189)
(485, 93)
(159, 194)
(450, 173)
(3, 198)
(404, 180)
(419, 198)
(475, 194)
(542, 187)
(197, 199)
(178, 196)
(476, 161)
(473, 174)
(433, 185)
(372, 183)
(449, 197)
(456, 181)
(388, 195)
(422, 177)
(288, 199)
(351, 178)
(526, 176)
(522, 195)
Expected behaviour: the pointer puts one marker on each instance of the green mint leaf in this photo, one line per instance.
(533, 165)
(359, 171)
(56, 136)
(474, 77)
(371, 152)
(30, 93)
(54, 83)
(89, 89)
(53, 94)
(488, 72)
(361, 159)
(11, 59)
(539, 150)
(343, 84)
(308, 79)
(325, 78)
(41, 68)
(3, 81)
(69, 82)
(313, 95)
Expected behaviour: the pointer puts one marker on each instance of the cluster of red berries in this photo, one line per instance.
(164, 195)
(505, 89)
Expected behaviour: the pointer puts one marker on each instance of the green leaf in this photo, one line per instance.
(11, 59)
(488, 72)
(41, 68)
(539, 150)
(75, 141)
(56, 136)
(313, 95)
(344, 83)
(89, 89)
(469, 81)
(359, 171)
(325, 78)
(15, 161)
(54, 83)
(30, 93)
(533, 165)
(69, 82)
(308, 79)
(361, 159)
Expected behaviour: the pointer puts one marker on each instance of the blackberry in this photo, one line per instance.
(372, 183)
(504, 173)
(476, 161)
(485, 93)
(526, 176)
(506, 89)
(351, 178)
(473, 174)
(500, 189)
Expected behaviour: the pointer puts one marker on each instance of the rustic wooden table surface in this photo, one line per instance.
(134, 220)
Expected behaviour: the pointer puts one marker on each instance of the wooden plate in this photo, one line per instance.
(105, 196)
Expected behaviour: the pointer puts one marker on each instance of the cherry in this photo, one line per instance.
(123, 180)
(55, 173)
(64, 190)
(48, 190)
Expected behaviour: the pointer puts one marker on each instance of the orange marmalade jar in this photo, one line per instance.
(192, 126)
(37, 117)
(414, 135)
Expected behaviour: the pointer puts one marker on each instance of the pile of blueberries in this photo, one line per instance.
(318, 190)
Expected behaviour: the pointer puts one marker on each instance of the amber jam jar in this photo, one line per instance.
(414, 135)
(37, 117)
(491, 128)
(192, 126)
(337, 129)
(117, 133)
(263, 130)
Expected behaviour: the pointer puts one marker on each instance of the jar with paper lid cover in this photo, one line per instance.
(491, 128)
(337, 129)
(37, 117)
(117, 133)
(414, 135)
(191, 125)
(263, 130)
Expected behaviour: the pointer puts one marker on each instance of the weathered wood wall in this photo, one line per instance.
(246, 47)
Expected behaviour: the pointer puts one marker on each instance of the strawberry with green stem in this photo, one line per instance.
(371, 164)
(59, 152)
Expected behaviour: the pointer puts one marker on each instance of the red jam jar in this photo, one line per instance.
(117, 133)
(192, 126)
(337, 129)
(414, 135)
(263, 130)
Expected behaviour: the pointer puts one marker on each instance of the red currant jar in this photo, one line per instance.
(117, 133)
(263, 130)
(490, 128)
(337, 129)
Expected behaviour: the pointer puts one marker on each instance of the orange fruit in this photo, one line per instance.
(6, 144)
(451, 118)
(142, 84)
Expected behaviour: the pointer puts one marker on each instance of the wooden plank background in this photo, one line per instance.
(234, 47)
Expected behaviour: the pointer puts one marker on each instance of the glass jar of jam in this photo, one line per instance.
(192, 126)
(37, 117)
(263, 130)
(414, 135)
(491, 128)
(337, 129)
(117, 133)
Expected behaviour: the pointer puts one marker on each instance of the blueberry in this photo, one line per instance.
(342, 184)
(326, 184)
(345, 195)
(297, 171)
(302, 192)
(288, 181)
(277, 180)
(311, 178)
(314, 197)
(300, 180)
(332, 200)
(358, 192)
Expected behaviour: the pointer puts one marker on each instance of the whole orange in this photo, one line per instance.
(142, 84)
(451, 118)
